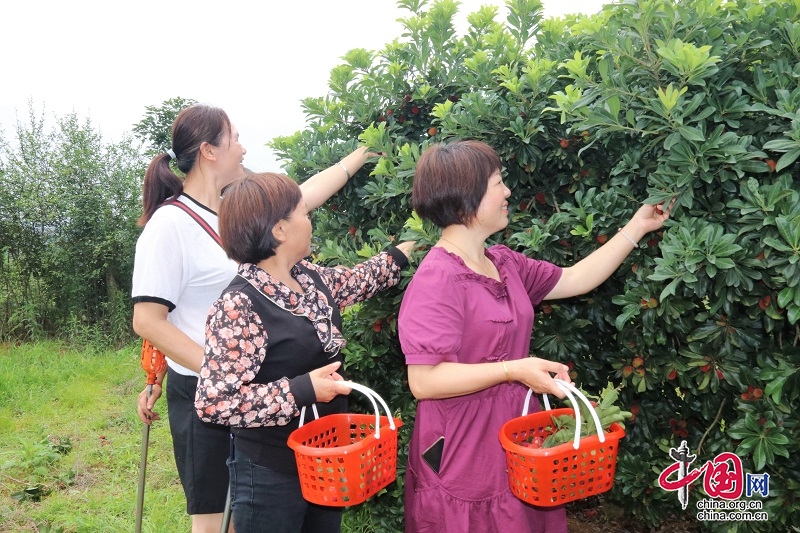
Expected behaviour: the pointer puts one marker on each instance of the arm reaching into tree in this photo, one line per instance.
(594, 269)
(319, 187)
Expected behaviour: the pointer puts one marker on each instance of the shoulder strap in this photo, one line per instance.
(198, 219)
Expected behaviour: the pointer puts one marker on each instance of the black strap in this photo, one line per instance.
(198, 219)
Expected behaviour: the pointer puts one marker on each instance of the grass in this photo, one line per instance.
(70, 438)
(71, 441)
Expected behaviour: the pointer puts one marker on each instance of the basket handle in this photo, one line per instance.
(569, 390)
(369, 393)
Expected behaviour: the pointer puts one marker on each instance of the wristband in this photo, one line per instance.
(505, 368)
(630, 240)
(347, 172)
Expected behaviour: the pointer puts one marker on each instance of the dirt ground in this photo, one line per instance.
(594, 515)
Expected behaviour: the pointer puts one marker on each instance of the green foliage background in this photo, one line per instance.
(647, 101)
(68, 209)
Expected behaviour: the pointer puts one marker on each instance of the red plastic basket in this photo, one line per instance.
(344, 459)
(548, 477)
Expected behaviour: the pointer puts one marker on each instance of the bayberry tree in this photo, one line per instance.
(648, 100)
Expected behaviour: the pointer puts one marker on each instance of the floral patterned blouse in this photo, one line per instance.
(237, 341)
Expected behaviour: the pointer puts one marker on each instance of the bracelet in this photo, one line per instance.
(508, 376)
(630, 240)
(345, 170)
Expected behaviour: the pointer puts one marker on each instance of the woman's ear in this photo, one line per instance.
(207, 151)
(279, 231)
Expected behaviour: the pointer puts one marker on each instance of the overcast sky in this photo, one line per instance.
(257, 59)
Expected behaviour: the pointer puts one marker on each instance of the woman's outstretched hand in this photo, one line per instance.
(652, 217)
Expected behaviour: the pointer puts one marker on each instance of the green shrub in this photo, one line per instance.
(646, 101)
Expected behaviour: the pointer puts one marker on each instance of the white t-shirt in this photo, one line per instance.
(179, 265)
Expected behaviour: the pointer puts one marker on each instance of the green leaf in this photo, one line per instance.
(787, 159)
(691, 134)
(774, 388)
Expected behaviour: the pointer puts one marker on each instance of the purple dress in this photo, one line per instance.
(452, 314)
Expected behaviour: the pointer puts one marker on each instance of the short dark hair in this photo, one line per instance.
(250, 208)
(451, 179)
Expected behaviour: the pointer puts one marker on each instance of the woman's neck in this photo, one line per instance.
(280, 269)
(466, 241)
(203, 188)
(468, 245)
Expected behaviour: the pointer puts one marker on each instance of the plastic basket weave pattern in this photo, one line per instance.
(548, 477)
(343, 459)
(339, 460)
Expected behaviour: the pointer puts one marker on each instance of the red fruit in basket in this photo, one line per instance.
(536, 442)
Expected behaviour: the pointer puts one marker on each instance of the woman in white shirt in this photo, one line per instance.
(180, 269)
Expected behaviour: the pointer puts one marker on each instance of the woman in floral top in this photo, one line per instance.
(273, 345)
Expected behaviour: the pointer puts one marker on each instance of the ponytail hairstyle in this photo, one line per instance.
(193, 126)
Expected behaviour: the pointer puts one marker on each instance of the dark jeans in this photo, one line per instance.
(269, 501)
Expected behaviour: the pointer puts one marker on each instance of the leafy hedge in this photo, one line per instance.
(68, 208)
(645, 101)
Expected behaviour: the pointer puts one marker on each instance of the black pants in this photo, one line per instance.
(201, 449)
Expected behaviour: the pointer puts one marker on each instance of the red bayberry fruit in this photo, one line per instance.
(705, 368)
(672, 374)
(431, 131)
(352, 230)
(602, 239)
(564, 143)
(771, 165)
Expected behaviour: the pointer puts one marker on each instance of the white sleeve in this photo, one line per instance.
(159, 269)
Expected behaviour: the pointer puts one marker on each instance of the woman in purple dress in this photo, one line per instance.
(465, 327)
